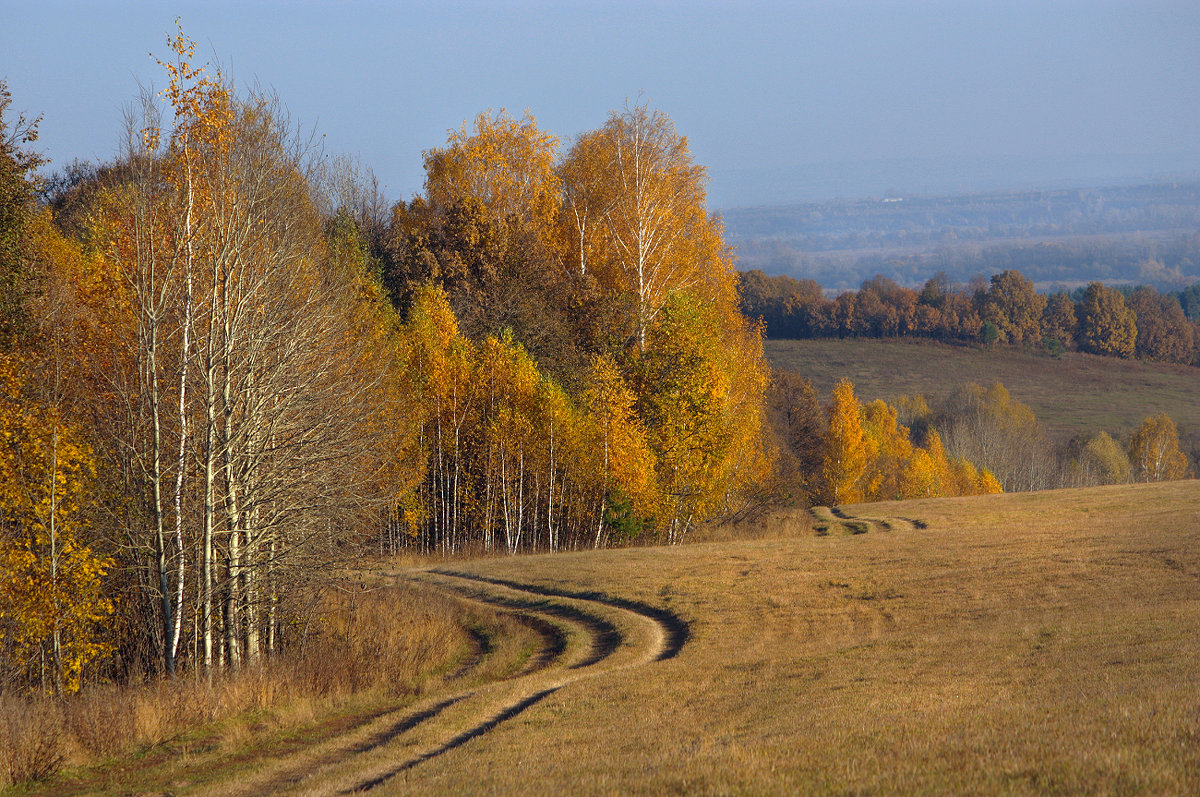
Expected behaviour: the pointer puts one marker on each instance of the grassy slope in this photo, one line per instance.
(1079, 393)
(1027, 643)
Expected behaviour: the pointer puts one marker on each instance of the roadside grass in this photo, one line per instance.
(1027, 643)
(371, 652)
(1078, 393)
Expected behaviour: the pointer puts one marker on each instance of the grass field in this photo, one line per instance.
(1078, 393)
(1019, 644)
(1033, 643)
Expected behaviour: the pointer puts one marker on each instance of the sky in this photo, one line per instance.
(781, 101)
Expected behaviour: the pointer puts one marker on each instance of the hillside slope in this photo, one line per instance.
(1029, 643)
(1078, 393)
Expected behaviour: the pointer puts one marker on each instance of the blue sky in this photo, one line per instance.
(782, 101)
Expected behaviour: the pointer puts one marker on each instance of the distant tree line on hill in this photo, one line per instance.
(1121, 322)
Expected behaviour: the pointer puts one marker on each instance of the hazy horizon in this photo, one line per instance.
(913, 177)
(782, 102)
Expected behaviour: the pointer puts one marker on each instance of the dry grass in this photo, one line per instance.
(771, 523)
(1035, 643)
(368, 651)
(1038, 643)
(1079, 393)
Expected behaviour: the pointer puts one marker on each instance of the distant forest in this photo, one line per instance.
(1121, 321)
(1146, 234)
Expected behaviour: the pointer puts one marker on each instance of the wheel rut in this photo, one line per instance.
(675, 628)
(583, 635)
(827, 520)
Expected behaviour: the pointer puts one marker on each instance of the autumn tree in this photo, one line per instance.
(898, 468)
(1154, 451)
(627, 464)
(700, 399)
(441, 371)
(846, 454)
(1106, 325)
(656, 234)
(1058, 319)
(1015, 307)
(251, 381)
(508, 164)
(888, 449)
(555, 279)
(52, 601)
(487, 230)
(986, 426)
(1163, 333)
(800, 425)
(1104, 461)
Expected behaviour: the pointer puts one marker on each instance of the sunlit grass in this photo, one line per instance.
(1028, 644)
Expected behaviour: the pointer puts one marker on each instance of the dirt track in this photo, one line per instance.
(583, 635)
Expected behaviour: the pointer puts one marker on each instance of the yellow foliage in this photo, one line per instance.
(988, 483)
(626, 456)
(51, 602)
(888, 449)
(1154, 451)
(506, 163)
(846, 452)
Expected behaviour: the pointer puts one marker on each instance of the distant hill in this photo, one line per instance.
(1144, 234)
(782, 184)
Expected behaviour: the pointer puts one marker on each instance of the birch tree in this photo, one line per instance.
(650, 203)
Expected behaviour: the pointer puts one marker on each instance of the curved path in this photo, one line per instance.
(582, 635)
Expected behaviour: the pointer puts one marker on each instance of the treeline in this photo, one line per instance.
(227, 365)
(846, 452)
(975, 440)
(1100, 319)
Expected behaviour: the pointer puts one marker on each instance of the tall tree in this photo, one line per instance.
(846, 453)
(626, 461)
(1015, 307)
(505, 163)
(51, 597)
(1106, 325)
(800, 425)
(1104, 461)
(1154, 451)
(255, 388)
(657, 236)
(488, 231)
(1163, 333)
(1058, 320)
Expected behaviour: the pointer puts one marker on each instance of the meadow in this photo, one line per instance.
(1018, 644)
(1025, 643)
(1079, 393)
